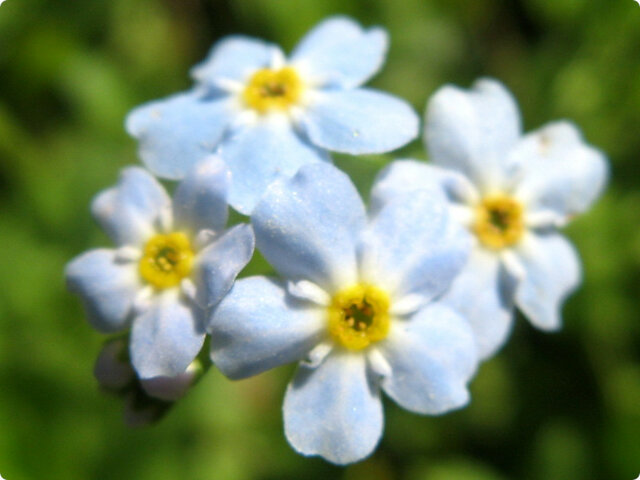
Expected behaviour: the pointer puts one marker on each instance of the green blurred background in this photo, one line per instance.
(547, 407)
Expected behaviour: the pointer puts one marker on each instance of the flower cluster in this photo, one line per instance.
(511, 193)
(405, 298)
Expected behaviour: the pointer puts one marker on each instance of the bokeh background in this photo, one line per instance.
(558, 406)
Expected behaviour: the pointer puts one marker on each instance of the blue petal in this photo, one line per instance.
(234, 58)
(258, 326)
(334, 410)
(552, 272)
(412, 246)
(359, 121)
(177, 132)
(200, 200)
(432, 358)
(483, 295)
(405, 176)
(166, 338)
(259, 154)
(472, 131)
(129, 212)
(307, 227)
(559, 171)
(338, 52)
(107, 288)
(220, 263)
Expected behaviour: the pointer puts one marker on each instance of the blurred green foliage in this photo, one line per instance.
(548, 407)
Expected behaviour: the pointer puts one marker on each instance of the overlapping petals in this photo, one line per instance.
(219, 263)
(200, 200)
(403, 177)
(249, 154)
(331, 112)
(394, 248)
(314, 231)
(167, 329)
(176, 133)
(483, 294)
(404, 299)
(474, 139)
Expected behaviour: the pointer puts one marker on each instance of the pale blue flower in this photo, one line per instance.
(173, 261)
(266, 115)
(355, 304)
(511, 192)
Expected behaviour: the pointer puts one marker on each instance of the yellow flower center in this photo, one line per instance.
(166, 260)
(273, 89)
(359, 316)
(499, 222)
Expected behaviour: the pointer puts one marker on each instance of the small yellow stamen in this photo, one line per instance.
(273, 89)
(166, 260)
(359, 316)
(499, 222)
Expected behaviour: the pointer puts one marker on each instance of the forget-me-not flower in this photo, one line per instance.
(355, 305)
(512, 192)
(173, 261)
(266, 115)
